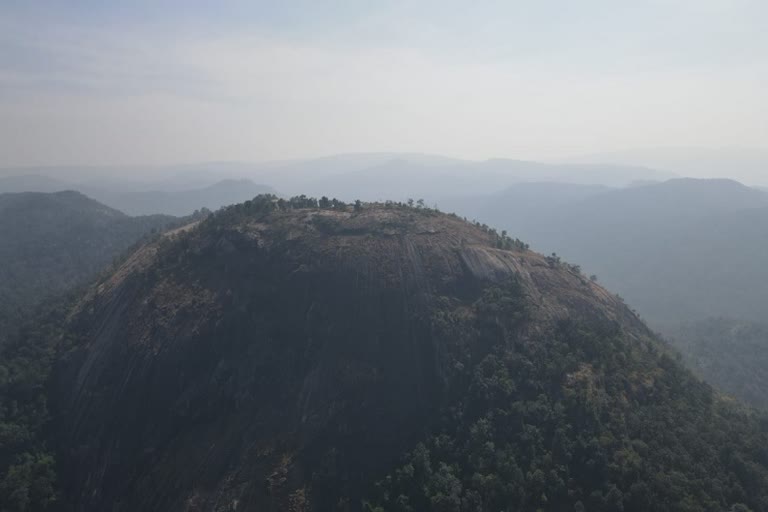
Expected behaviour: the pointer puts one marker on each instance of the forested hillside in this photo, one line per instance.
(310, 355)
(730, 354)
(54, 242)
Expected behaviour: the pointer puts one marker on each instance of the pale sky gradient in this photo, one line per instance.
(156, 82)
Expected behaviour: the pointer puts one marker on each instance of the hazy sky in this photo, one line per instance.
(149, 81)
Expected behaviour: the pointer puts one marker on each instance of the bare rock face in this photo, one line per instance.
(282, 361)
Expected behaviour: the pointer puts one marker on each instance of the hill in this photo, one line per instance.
(291, 355)
(731, 354)
(53, 242)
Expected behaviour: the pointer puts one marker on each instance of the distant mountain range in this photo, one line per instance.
(182, 202)
(398, 177)
(182, 189)
(32, 183)
(749, 165)
(169, 198)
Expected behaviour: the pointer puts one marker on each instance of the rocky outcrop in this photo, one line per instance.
(281, 362)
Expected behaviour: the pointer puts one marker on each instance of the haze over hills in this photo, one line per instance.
(366, 176)
(749, 165)
(168, 196)
(435, 182)
(302, 170)
(182, 202)
(282, 355)
(32, 183)
(533, 201)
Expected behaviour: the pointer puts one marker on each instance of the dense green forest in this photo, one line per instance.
(626, 429)
(28, 471)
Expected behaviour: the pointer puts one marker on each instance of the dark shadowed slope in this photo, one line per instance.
(289, 359)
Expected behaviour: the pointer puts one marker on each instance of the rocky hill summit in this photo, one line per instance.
(309, 355)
